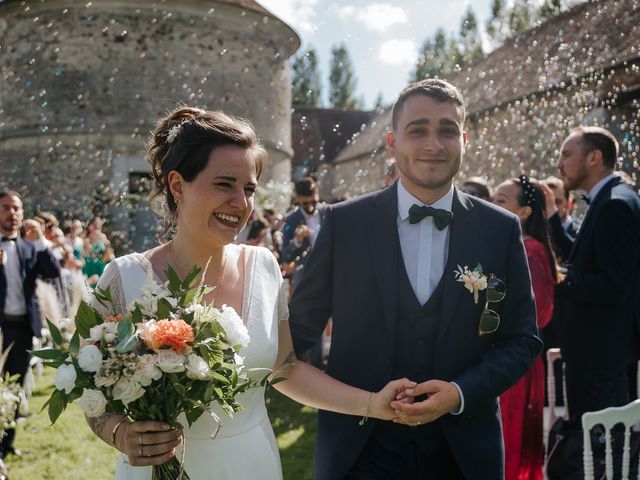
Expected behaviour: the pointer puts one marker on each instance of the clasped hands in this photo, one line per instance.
(397, 401)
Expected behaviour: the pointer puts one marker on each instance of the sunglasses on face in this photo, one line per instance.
(490, 320)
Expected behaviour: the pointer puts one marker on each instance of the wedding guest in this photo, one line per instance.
(206, 167)
(478, 187)
(598, 300)
(522, 405)
(564, 228)
(21, 263)
(95, 246)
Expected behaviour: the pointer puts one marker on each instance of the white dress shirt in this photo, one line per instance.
(313, 221)
(425, 250)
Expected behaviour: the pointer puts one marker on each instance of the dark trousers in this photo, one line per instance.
(20, 335)
(590, 390)
(409, 462)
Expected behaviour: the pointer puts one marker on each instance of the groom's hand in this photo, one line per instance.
(442, 398)
(381, 401)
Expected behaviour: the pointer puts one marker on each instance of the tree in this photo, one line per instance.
(495, 23)
(549, 8)
(306, 80)
(438, 57)
(378, 103)
(470, 39)
(342, 80)
(520, 17)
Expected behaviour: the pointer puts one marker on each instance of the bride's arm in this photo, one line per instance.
(311, 386)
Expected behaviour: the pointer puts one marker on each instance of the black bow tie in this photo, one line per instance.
(8, 239)
(441, 218)
(585, 198)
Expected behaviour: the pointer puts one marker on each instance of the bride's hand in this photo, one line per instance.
(148, 443)
(381, 401)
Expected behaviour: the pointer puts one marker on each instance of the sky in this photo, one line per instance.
(383, 37)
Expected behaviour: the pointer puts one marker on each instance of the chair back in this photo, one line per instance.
(554, 355)
(608, 418)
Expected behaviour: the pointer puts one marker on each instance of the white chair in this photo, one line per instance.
(554, 355)
(609, 417)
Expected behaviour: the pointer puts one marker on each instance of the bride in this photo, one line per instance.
(206, 166)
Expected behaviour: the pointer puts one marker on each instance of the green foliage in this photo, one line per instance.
(306, 87)
(342, 80)
(86, 318)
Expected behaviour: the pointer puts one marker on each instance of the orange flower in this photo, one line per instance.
(172, 333)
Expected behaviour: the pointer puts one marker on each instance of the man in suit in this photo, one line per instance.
(21, 262)
(384, 267)
(597, 301)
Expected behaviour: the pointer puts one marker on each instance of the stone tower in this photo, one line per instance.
(84, 81)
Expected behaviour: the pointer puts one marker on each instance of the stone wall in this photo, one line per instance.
(84, 82)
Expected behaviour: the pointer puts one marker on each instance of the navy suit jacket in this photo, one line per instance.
(33, 265)
(600, 297)
(351, 276)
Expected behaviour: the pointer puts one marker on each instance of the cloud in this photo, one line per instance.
(398, 52)
(300, 14)
(378, 17)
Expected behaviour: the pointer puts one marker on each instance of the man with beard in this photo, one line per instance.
(598, 300)
(384, 267)
(21, 262)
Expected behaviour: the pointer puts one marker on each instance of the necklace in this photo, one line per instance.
(218, 285)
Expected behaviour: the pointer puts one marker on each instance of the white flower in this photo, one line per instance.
(90, 358)
(127, 390)
(197, 368)
(235, 330)
(92, 402)
(170, 361)
(65, 378)
(105, 378)
(201, 313)
(108, 331)
(173, 132)
(474, 280)
(146, 370)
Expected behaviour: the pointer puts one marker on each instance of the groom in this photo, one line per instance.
(384, 268)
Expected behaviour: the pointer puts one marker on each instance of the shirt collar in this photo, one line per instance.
(405, 200)
(598, 186)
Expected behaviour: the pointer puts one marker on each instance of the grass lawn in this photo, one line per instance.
(69, 450)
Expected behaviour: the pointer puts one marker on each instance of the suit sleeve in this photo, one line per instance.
(616, 235)
(562, 240)
(46, 264)
(310, 306)
(516, 344)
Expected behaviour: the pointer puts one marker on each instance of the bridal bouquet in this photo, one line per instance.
(170, 354)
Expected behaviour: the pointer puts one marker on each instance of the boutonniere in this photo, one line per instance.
(474, 280)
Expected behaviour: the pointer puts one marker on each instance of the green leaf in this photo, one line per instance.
(164, 308)
(127, 344)
(57, 404)
(86, 318)
(478, 268)
(49, 354)
(179, 388)
(136, 315)
(174, 281)
(125, 328)
(56, 336)
(74, 344)
(194, 414)
(192, 278)
(220, 378)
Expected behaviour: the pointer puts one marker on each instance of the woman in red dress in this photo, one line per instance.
(523, 404)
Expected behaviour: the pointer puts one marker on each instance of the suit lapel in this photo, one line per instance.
(591, 212)
(462, 251)
(385, 244)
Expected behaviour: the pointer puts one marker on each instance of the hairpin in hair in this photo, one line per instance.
(173, 132)
(528, 190)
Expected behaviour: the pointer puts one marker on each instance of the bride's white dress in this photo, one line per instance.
(245, 447)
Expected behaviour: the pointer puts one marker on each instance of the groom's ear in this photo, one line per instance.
(391, 143)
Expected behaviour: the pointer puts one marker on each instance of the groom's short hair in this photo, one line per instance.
(435, 88)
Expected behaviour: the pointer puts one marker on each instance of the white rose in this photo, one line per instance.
(170, 361)
(197, 368)
(65, 378)
(110, 331)
(90, 358)
(127, 390)
(92, 402)
(146, 370)
(95, 333)
(236, 332)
